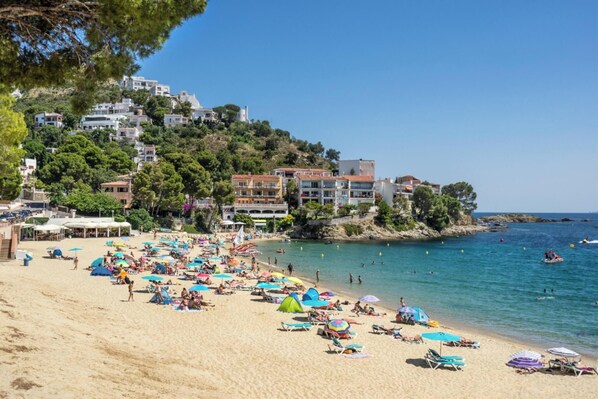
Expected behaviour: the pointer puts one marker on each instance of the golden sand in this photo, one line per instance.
(65, 334)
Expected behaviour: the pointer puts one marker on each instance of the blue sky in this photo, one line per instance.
(501, 94)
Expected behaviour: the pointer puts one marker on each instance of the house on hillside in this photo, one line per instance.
(172, 120)
(120, 189)
(93, 122)
(48, 119)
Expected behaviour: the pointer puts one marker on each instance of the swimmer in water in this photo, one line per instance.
(363, 265)
(373, 263)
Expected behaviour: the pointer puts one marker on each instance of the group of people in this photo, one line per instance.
(365, 310)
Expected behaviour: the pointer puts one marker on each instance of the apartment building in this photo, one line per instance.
(123, 107)
(172, 120)
(128, 134)
(121, 190)
(336, 190)
(259, 196)
(93, 122)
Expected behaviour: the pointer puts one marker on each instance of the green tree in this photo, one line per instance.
(197, 180)
(158, 187)
(184, 109)
(88, 203)
(52, 42)
(36, 149)
(81, 145)
(384, 216)
(156, 108)
(10, 184)
(12, 132)
(363, 208)
(453, 207)
(66, 169)
(291, 158)
(286, 222)
(51, 136)
(139, 97)
(423, 200)
(140, 219)
(463, 192)
(333, 155)
(437, 217)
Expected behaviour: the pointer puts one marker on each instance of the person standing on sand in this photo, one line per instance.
(75, 263)
(402, 302)
(290, 269)
(350, 278)
(131, 291)
(318, 276)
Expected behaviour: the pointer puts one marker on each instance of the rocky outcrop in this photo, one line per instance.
(515, 218)
(368, 230)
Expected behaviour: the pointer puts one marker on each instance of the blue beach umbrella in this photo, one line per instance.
(152, 278)
(199, 287)
(222, 276)
(155, 249)
(147, 243)
(267, 286)
(118, 255)
(76, 249)
(314, 303)
(97, 262)
(442, 337)
(193, 265)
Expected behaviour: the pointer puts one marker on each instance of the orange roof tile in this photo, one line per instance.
(255, 177)
(359, 178)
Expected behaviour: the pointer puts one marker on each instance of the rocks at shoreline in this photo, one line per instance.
(521, 218)
(371, 231)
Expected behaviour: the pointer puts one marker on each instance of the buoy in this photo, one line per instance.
(302, 248)
(462, 251)
(426, 252)
(337, 247)
(388, 244)
(524, 248)
(322, 255)
(571, 245)
(379, 253)
(442, 242)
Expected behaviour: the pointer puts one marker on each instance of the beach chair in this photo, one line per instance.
(378, 329)
(435, 362)
(439, 356)
(338, 347)
(296, 326)
(578, 370)
(317, 318)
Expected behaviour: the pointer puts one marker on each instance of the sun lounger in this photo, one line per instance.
(435, 362)
(296, 326)
(579, 370)
(378, 329)
(439, 356)
(339, 348)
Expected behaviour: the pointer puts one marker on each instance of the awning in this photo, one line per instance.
(50, 227)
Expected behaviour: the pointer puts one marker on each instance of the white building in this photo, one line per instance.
(93, 122)
(205, 115)
(138, 118)
(183, 96)
(146, 153)
(123, 107)
(28, 169)
(128, 134)
(172, 120)
(336, 190)
(48, 119)
(138, 83)
(357, 167)
(243, 115)
(160, 90)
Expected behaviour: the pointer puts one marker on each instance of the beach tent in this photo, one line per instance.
(291, 304)
(311, 295)
(420, 316)
(57, 253)
(97, 262)
(159, 269)
(100, 271)
(165, 295)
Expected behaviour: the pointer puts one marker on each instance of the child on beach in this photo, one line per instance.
(75, 263)
(131, 292)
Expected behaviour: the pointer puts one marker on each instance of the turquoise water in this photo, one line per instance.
(475, 280)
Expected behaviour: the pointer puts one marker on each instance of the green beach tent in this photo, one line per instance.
(291, 304)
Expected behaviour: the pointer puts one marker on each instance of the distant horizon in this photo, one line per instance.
(536, 212)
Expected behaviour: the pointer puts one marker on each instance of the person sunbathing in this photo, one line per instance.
(357, 309)
(183, 305)
(185, 294)
(369, 311)
(195, 304)
(220, 290)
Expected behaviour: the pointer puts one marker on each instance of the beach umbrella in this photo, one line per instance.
(118, 255)
(222, 276)
(527, 355)
(563, 352)
(152, 278)
(267, 286)
(203, 275)
(314, 303)
(121, 262)
(199, 287)
(525, 363)
(194, 264)
(233, 262)
(277, 275)
(327, 293)
(283, 280)
(369, 298)
(442, 337)
(338, 326)
(147, 243)
(75, 249)
(154, 249)
(97, 262)
(295, 280)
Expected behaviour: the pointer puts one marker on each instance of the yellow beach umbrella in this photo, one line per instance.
(295, 280)
(277, 275)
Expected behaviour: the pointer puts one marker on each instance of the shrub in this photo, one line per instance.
(353, 229)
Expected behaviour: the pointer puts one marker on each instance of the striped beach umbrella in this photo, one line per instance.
(369, 298)
(525, 363)
(527, 354)
(338, 326)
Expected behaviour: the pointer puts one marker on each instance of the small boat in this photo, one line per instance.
(556, 259)
(328, 242)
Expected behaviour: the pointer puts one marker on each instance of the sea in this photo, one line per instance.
(495, 282)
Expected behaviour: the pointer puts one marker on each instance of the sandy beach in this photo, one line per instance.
(66, 334)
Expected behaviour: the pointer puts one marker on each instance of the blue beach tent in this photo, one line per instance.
(311, 295)
(420, 316)
(167, 299)
(159, 269)
(100, 271)
(57, 253)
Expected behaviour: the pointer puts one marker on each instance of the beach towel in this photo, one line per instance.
(357, 355)
(185, 311)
